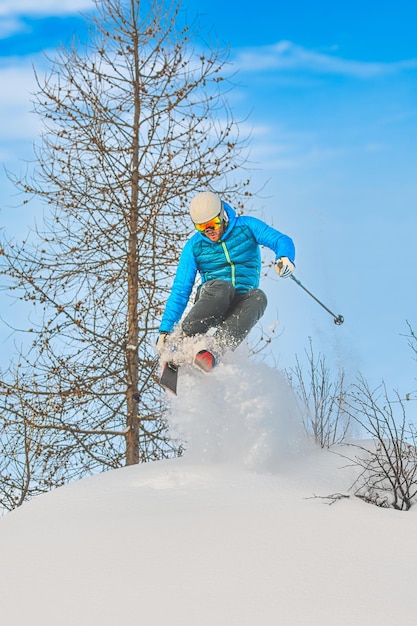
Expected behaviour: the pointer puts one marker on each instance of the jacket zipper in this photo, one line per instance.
(229, 260)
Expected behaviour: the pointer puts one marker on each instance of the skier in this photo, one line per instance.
(225, 251)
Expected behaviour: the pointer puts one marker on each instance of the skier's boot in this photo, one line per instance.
(205, 360)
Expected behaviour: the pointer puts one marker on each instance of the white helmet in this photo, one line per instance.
(205, 206)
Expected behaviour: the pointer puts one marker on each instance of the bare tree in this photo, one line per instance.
(134, 123)
(412, 342)
(412, 339)
(322, 397)
(389, 458)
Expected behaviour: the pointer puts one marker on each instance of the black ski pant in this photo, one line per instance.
(219, 305)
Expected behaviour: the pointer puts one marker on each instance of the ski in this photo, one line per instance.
(204, 361)
(169, 377)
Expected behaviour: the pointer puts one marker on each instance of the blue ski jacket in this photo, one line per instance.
(236, 257)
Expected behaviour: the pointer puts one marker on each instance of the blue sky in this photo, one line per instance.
(332, 96)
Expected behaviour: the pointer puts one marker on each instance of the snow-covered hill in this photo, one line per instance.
(228, 535)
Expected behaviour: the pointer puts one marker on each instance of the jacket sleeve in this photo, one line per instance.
(181, 290)
(273, 239)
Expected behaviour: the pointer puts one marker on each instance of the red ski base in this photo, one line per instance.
(205, 360)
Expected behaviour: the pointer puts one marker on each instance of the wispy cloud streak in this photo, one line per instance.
(10, 8)
(287, 56)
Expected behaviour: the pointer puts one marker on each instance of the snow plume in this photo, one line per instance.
(242, 413)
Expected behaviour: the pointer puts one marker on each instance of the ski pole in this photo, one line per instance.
(154, 365)
(338, 319)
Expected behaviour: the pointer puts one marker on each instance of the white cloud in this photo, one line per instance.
(10, 25)
(12, 12)
(16, 120)
(43, 7)
(286, 55)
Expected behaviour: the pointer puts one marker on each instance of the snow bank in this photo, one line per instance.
(228, 535)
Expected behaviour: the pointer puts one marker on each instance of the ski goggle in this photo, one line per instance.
(215, 224)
